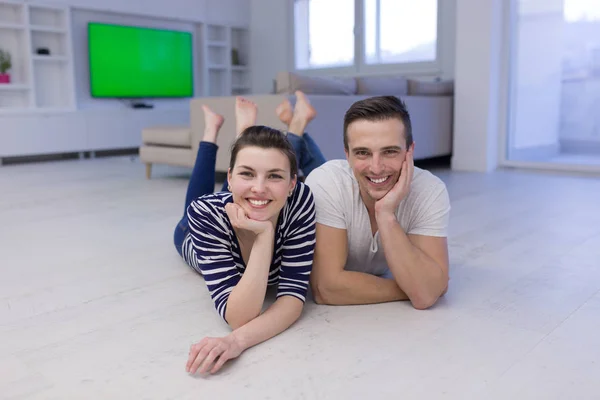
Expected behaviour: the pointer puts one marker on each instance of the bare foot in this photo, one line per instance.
(245, 114)
(212, 124)
(303, 114)
(284, 112)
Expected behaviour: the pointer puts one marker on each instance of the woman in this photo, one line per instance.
(259, 232)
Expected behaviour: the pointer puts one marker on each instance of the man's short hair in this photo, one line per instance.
(379, 108)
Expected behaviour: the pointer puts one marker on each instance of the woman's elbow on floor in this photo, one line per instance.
(238, 322)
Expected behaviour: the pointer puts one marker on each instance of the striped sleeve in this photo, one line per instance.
(298, 246)
(212, 247)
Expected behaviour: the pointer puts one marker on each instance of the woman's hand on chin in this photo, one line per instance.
(209, 354)
(240, 220)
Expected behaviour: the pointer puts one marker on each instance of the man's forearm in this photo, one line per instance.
(417, 274)
(349, 287)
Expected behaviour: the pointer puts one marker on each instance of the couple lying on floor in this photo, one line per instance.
(368, 229)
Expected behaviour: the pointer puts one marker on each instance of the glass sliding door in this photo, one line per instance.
(554, 96)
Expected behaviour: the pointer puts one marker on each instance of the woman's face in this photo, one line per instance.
(260, 182)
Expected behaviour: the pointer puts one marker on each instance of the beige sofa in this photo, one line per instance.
(178, 145)
(429, 103)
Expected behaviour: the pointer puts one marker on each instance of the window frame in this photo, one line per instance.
(360, 66)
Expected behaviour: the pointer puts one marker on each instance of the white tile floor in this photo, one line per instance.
(96, 304)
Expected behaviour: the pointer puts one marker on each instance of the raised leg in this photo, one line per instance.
(245, 117)
(303, 114)
(245, 114)
(285, 112)
(148, 170)
(307, 152)
(202, 180)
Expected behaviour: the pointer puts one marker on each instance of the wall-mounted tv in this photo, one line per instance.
(135, 62)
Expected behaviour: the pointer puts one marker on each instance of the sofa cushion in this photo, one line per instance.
(430, 88)
(178, 136)
(289, 82)
(382, 85)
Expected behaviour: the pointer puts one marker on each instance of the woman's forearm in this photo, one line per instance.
(247, 297)
(279, 317)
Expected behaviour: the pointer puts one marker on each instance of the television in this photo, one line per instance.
(136, 62)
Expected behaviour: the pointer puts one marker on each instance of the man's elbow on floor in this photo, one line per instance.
(425, 302)
(422, 305)
(320, 295)
(318, 298)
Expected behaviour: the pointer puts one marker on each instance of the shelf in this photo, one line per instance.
(10, 111)
(11, 13)
(217, 44)
(216, 33)
(217, 67)
(13, 86)
(45, 7)
(47, 29)
(239, 68)
(49, 58)
(50, 110)
(40, 83)
(48, 17)
(4, 25)
(240, 87)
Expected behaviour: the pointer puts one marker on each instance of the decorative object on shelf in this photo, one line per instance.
(235, 57)
(5, 65)
(43, 51)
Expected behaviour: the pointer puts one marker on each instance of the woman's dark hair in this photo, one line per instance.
(379, 108)
(265, 138)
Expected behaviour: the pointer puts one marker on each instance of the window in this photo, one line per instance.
(391, 32)
(400, 31)
(324, 31)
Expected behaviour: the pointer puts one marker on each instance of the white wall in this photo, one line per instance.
(447, 38)
(271, 29)
(477, 84)
(270, 42)
(234, 12)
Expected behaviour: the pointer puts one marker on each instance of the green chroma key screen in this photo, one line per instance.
(134, 62)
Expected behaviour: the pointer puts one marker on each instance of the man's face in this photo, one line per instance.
(376, 151)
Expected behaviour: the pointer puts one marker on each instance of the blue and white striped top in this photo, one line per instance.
(212, 249)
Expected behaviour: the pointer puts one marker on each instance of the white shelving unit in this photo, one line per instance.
(240, 72)
(224, 57)
(6, 25)
(38, 82)
(39, 111)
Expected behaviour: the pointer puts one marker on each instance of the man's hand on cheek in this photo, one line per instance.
(389, 203)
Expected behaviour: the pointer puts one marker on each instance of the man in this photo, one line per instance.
(381, 222)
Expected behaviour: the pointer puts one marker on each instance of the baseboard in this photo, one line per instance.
(36, 158)
(133, 151)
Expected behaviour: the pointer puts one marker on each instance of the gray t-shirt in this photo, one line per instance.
(424, 211)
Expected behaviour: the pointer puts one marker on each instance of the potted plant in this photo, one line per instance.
(5, 65)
